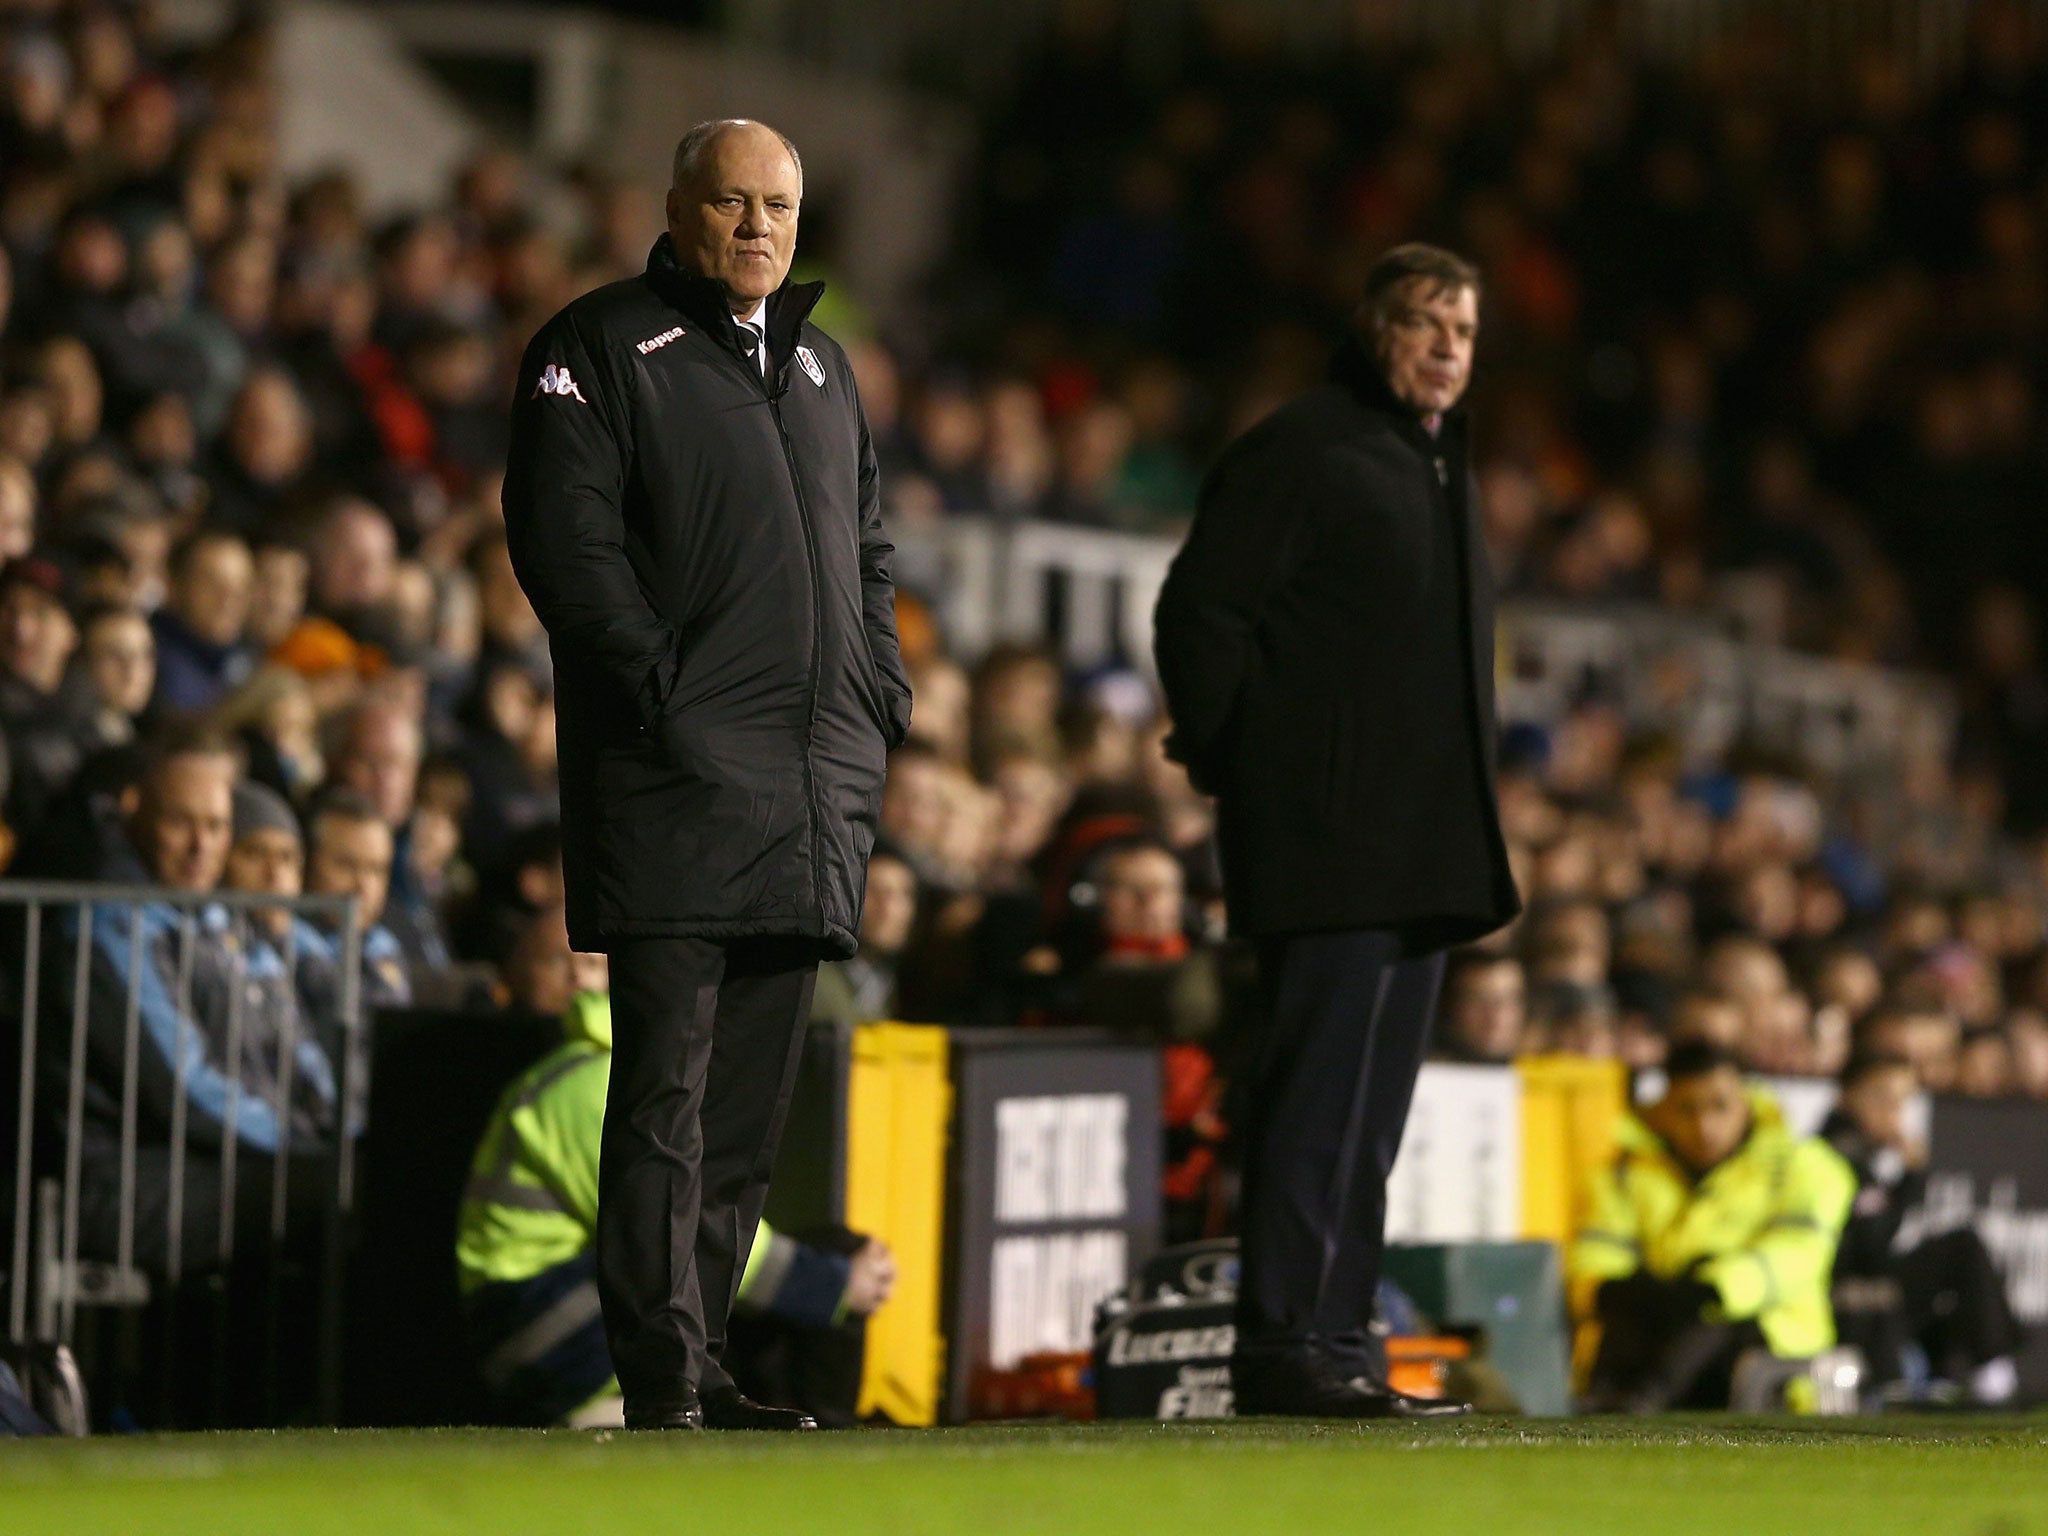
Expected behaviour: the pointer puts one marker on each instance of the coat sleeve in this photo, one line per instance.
(565, 482)
(1609, 1246)
(1794, 1251)
(878, 593)
(1248, 534)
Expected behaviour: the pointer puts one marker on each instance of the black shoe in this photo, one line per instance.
(1405, 1405)
(689, 1416)
(728, 1409)
(1303, 1386)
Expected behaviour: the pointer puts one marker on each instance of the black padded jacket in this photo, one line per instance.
(705, 547)
(1325, 641)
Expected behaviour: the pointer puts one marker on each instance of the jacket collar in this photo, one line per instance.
(704, 301)
(1359, 371)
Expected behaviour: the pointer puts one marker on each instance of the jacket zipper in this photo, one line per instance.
(803, 508)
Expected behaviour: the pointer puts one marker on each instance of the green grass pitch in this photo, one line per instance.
(1976, 1477)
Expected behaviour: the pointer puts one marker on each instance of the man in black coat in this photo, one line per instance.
(692, 505)
(1325, 640)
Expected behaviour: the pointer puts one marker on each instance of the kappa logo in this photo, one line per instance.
(809, 362)
(655, 343)
(556, 381)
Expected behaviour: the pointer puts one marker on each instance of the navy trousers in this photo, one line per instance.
(539, 1343)
(1348, 1023)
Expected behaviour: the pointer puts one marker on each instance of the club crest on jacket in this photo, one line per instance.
(557, 381)
(808, 360)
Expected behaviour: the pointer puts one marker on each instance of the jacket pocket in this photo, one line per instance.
(693, 686)
(874, 695)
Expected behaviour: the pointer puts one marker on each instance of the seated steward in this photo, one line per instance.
(525, 1242)
(1711, 1232)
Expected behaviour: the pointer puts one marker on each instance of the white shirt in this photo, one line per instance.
(756, 320)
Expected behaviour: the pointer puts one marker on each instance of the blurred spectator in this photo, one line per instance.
(38, 637)
(540, 973)
(1576, 1018)
(264, 455)
(378, 756)
(1936, 1293)
(863, 989)
(351, 854)
(1709, 1017)
(267, 856)
(1984, 1066)
(221, 1064)
(429, 877)
(1149, 983)
(275, 721)
(507, 752)
(1569, 943)
(526, 881)
(201, 655)
(354, 563)
(118, 654)
(1485, 1013)
(277, 595)
(2026, 1033)
(1921, 1032)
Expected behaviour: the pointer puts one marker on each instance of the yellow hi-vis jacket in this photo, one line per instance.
(1761, 1227)
(531, 1202)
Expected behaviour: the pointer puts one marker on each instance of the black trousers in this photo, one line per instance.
(705, 1043)
(1947, 1297)
(1332, 1080)
(1657, 1353)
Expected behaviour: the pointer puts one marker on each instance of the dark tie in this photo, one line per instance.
(750, 342)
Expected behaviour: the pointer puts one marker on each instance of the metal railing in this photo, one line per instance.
(84, 928)
(1086, 592)
(1711, 691)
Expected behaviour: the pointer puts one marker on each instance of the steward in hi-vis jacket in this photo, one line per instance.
(1684, 1265)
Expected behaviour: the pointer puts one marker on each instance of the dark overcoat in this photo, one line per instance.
(705, 548)
(1325, 641)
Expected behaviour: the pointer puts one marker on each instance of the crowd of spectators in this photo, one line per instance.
(1755, 347)
(259, 632)
(1742, 312)
(1741, 338)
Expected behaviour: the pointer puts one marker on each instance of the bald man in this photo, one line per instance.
(693, 509)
